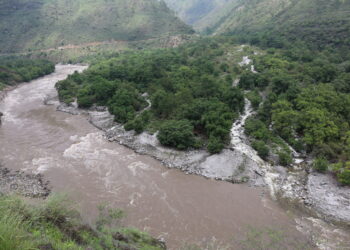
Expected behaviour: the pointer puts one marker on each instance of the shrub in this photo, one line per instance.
(178, 134)
(257, 129)
(342, 170)
(215, 145)
(320, 164)
(344, 176)
(139, 123)
(285, 159)
(255, 98)
(261, 148)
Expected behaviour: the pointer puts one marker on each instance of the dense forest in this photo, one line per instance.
(306, 103)
(301, 96)
(14, 70)
(190, 88)
(27, 25)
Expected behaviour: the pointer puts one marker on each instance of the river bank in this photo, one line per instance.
(4, 92)
(317, 194)
(74, 155)
(21, 183)
(78, 160)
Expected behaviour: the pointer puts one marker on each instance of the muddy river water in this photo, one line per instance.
(76, 158)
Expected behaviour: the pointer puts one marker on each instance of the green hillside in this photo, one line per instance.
(191, 11)
(40, 24)
(321, 22)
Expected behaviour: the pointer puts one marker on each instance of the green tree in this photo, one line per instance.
(215, 145)
(284, 118)
(261, 148)
(318, 127)
(285, 158)
(320, 164)
(177, 133)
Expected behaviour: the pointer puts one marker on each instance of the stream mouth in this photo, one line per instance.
(77, 159)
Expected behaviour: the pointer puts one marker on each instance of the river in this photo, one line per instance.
(76, 158)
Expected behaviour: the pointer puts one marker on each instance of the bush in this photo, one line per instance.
(285, 159)
(257, 129)
(342, 170)
(178, 134)
(344, 176)
(261, 148)
(215, 145)
(255, 98)
(320, 164)
(138, 124)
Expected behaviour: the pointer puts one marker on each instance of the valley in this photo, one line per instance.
(76, 158)
(218, 124)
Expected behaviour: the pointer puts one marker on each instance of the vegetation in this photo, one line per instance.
(194, 11)
(320, 164)
(177, 134)
(55, 224)
(261, 148)
(190, 92)
(307, 103)
(39, 25)
(14, 70)
(319, 23)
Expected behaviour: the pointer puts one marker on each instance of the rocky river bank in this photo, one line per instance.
(72, 153)
(318, 194)
(21, 183)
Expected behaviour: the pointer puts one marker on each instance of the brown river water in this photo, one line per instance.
(76, 159)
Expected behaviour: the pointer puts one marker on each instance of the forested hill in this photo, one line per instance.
(15, 70)
(193, 11)
(320, 22)
(40, 24)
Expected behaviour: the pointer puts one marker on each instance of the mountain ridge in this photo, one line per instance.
(29, 24)
(319, 22)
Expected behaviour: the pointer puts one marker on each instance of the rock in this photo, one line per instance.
(28, 185)
(328, 198)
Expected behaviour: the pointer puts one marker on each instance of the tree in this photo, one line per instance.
(163, 103)
(284, 118)
(318, 127)
(320, 164)
(176, 133)
(261, 148)
(257, 129)
(215, 145)
(285, 159)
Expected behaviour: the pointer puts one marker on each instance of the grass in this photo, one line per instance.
(56, 224)
(2, 86)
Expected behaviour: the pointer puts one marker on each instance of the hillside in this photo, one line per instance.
(191, 11)
(317, 21)
(42, 24)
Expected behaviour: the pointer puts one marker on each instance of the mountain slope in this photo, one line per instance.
(38, 24)
(321, 22)
(317, 21)
(191, 11)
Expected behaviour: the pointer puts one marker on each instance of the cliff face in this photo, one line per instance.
(41, 24)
